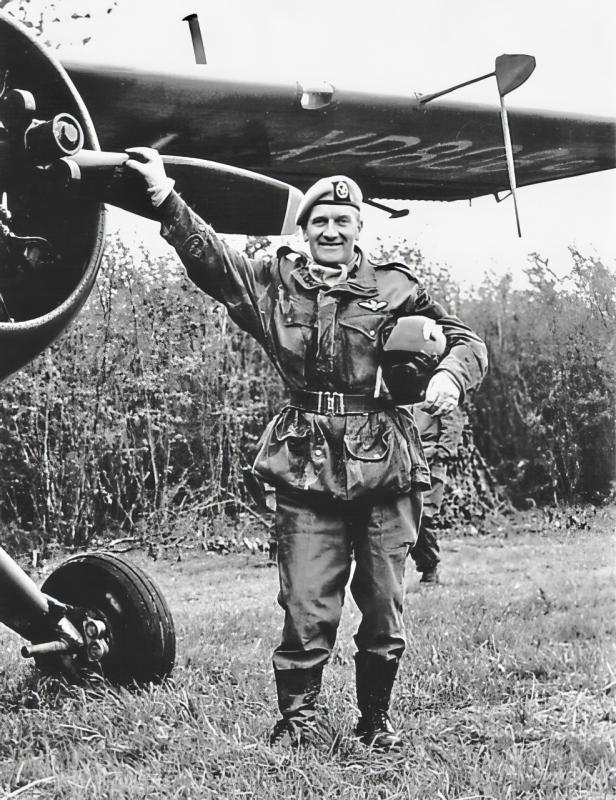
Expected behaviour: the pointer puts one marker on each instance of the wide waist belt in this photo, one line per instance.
(337, 402)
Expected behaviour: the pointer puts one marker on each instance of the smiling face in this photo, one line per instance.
(331, 232)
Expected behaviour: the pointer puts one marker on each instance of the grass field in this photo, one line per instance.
(506, 691)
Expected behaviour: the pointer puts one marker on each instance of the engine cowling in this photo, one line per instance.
(51, 241)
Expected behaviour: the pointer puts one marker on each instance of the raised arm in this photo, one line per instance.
(219, 270)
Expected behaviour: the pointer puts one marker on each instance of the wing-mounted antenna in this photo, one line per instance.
(197, 39)
(510, 72)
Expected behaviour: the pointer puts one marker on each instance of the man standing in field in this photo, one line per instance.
(346, 462)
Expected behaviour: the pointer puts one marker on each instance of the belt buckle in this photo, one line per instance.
(330, 403)
(335, 403)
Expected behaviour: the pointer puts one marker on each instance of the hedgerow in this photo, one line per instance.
(148, 409)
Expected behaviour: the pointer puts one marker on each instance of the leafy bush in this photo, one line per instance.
(544, 418)
(150, 406)
(152, 402)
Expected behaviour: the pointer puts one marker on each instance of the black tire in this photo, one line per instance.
(141, 630)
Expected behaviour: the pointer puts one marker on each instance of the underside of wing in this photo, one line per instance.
(392, 145)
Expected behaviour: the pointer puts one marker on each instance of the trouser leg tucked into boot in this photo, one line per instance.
(298, 690)
(375, 678)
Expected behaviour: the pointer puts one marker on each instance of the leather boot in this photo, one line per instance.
(375, 678)
(430, 576)
(298, 690)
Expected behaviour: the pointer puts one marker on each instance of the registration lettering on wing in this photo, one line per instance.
(461, 156)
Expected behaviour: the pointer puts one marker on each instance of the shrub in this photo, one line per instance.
(151, 404)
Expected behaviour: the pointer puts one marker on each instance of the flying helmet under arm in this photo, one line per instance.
(411, 349)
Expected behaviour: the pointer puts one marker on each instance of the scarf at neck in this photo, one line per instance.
(333, 275)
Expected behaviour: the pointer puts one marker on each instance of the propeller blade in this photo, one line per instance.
(231, 199)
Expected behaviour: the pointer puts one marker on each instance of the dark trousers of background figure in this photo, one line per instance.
(440, 437)
(426, 553)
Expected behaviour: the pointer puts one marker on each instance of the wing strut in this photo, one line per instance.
(510, 72)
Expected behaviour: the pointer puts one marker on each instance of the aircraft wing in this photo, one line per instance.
(391, 144)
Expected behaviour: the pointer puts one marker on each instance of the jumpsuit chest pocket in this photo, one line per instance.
(294, 319)
(365, 325)
(359, 335)
(295, 311)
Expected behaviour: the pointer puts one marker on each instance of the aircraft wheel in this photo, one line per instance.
(139, 627)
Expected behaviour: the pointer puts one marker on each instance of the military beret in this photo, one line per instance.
(337, 190)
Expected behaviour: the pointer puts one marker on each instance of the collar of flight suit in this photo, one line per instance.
(361, 278)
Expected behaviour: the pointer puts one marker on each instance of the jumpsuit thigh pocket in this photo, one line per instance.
(293, 452)
(377, 457)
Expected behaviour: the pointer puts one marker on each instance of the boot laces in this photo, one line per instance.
(380, 722)
(295, 734)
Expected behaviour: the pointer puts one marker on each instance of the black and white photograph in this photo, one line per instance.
(307, 400)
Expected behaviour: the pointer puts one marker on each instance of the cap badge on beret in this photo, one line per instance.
(341, 190)
(333, 190)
